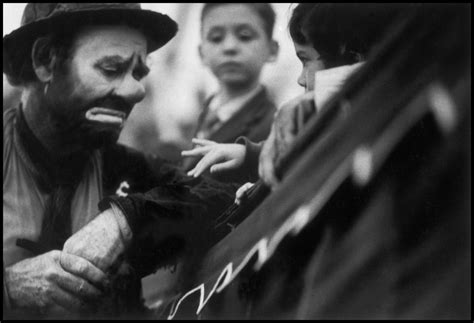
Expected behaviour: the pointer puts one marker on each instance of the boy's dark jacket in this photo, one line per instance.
(254, 121)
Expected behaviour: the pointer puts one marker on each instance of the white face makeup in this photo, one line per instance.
(113, 59)
(104, 115)
(96, 90)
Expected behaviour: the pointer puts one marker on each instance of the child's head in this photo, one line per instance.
(305, 51)
(237, 41)
(334, 34)
(344, 33)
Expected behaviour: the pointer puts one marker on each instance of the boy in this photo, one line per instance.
(236, 44)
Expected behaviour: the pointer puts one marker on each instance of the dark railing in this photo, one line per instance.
(414, 89)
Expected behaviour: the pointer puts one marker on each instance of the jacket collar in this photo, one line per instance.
(246, 117)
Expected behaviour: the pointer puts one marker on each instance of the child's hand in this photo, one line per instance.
(216, 157)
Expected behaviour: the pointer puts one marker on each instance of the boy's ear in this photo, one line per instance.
(43, 59)
(274, 49)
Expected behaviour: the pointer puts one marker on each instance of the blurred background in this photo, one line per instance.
(163, 123)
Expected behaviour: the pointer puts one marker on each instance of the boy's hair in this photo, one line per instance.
(342, 32)
(264, 11)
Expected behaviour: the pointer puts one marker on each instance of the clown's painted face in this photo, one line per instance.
(93, 93)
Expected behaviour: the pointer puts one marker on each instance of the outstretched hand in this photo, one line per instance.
(217, 158)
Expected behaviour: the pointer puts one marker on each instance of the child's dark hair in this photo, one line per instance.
(342, 33)
(295, 26)
(264, 11)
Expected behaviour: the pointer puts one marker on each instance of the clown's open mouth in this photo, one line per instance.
(105, 115)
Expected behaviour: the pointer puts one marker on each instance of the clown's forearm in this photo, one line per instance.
(102, 240)
(171, 220)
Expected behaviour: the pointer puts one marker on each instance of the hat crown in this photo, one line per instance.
(40, 19)
(38, 11)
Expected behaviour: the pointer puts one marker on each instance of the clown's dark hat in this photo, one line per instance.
(42, 18)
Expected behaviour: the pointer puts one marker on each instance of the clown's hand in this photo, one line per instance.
(40, 283)
(102, 240)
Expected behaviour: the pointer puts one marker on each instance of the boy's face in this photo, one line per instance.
(311, 60)
(234, 44)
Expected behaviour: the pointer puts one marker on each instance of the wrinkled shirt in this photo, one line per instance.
(23, 200)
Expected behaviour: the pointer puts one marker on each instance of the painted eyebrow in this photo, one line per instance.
(113, 59)
(117, 59)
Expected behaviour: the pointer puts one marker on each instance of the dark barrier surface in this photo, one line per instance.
(372, 219)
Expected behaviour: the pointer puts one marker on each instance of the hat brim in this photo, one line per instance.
(158, 28)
